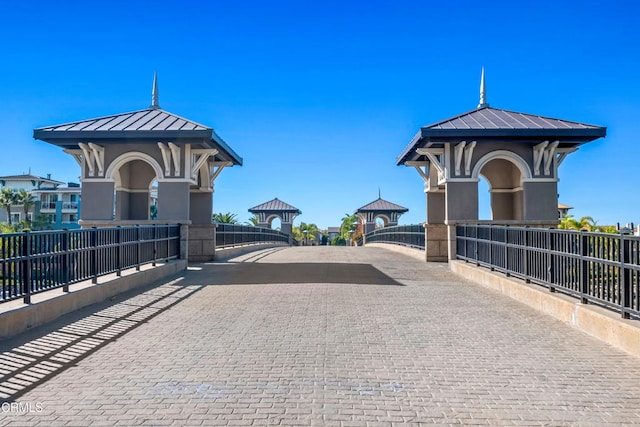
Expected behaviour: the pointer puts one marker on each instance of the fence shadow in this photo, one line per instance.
(32, 358)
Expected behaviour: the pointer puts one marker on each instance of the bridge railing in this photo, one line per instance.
(229, 235)
(406, 235)
(595, 267)
(33, 262)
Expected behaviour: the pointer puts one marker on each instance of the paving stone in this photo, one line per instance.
(384, 340)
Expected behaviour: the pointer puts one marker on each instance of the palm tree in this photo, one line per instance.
(585, 223)
(8, 198)
(253, 221)
(224, 218)
(348, 225)
(308, 231)
(27, 201)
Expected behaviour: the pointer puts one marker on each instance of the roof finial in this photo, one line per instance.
(379, 196)
(483, 93)
(154, 93)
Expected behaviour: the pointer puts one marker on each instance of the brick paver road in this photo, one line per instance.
(315, 336)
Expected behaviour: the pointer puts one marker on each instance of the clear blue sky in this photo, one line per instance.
(319, 98)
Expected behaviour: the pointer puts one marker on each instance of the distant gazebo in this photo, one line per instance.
(380, 209)
(124, 156)
(268, 211)
(517, 153)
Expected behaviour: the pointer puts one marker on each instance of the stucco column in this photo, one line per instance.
(435, 207)
(541, 200)
(461, 201)
(201, 207)
(173, 201)
(97, 201)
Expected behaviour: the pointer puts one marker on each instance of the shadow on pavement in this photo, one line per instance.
(251, 273)
(32, 358)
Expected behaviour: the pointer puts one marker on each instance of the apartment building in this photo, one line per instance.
(57, 205)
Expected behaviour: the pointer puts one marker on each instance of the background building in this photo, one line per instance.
(56, 206)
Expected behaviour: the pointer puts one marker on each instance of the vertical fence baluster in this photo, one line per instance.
(119, 250)
(584, 267)
(66, 260)
(138, 247)
(155, 246)
(26, 265)
(94, 255)
(625, 276)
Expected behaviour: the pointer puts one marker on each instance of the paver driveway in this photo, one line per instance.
(315, 336)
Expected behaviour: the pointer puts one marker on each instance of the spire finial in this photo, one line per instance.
(483, 93)
(379, 196)
(154, 93)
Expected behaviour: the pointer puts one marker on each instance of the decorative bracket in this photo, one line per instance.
(216, 168)
(198, 158)
(170, 154)
(549, 155)
(93, 156)
(423, 173)
(78, 155)
(436, 157)
(562, 153)
(458, 151)
(464, 150)
(468, 153)
(538, 154)
(544, 152)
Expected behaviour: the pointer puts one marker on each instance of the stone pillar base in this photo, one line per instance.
(436, 242)
(202, 243)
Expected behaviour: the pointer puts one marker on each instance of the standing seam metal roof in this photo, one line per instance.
(382, 205)
(276, 206)
(487, 122)
(143, 120)
(495, 118)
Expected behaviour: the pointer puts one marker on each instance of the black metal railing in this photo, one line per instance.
(33, 262)
(229, 235)
(407, 235)
(595, 267)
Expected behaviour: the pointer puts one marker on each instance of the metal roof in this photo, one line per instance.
(142, 120)
(275, 205)
(28, 177)
(495, 123)
(152, 123)
(382, 205)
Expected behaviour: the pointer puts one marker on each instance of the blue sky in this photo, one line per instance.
(319, 98)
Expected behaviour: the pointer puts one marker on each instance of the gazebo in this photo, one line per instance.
(388, 212)
(268, 211)
(517, 153)
(123, 157)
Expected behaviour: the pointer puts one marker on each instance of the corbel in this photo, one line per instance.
(538, 154)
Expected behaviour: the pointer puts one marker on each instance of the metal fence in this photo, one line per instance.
(33, 262)
(229, 235)
(596, 267)
(407, 235)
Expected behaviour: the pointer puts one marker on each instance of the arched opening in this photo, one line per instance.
(484, 199)
(275, 223)
(153, 200)
(381, 221)
(134, 181)
(504, 180)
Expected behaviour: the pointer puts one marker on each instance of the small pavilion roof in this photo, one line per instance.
(382, 205)
(274, 205)
(149, 125)
(487, 123)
